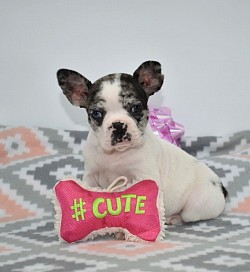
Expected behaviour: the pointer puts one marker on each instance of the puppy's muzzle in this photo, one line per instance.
(119, 133)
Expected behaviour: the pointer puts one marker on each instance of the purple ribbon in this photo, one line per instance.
(164, 126)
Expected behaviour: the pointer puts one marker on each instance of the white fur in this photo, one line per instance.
(185, 182)
(190, 189)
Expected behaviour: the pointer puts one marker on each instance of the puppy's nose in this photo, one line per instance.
(119, 126)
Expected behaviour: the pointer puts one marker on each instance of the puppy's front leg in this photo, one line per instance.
(91, 180)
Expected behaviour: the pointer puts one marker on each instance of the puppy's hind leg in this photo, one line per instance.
(206, 201)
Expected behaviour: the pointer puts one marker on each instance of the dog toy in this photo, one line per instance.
(82, 213)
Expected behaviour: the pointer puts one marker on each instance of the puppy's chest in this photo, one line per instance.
(108, 167)
(118, 162)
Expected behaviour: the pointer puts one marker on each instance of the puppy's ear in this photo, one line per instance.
(149, 76)
(74, 86)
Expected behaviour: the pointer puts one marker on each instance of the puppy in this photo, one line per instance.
(121, 143)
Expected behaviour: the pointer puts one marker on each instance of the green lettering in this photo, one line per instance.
(78, 209)
(128, 201)
(118, 206)
(140, 204)
(96, 211)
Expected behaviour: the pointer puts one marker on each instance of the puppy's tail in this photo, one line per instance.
(224, 191)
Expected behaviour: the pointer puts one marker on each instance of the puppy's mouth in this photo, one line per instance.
(121, 144)
(121, 148)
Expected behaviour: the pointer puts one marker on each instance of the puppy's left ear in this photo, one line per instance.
(149, 76)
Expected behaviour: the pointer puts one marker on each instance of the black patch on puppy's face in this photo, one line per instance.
(95, 103)
(134, 100)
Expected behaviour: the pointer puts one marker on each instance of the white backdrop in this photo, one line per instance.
(204, 48)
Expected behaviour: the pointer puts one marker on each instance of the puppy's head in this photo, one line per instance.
(116, 104)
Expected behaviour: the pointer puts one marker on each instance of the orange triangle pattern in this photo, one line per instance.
(34, 145)
(243, 207)
(113, 247)
(13, 211)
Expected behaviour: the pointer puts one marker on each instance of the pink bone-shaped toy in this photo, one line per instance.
(84, 213)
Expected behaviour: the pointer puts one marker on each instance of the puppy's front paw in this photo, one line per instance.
(174, 220)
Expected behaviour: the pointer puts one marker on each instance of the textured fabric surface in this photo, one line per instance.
(82, 213)
(32, 160)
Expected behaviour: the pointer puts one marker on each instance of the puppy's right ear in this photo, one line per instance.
(74, 86)
(149, 76)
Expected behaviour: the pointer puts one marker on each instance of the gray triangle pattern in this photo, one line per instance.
(28, 241)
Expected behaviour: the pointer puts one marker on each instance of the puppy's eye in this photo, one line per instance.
(136, 108)
(96, 114)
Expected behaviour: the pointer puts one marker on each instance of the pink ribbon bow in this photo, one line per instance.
(164, 126)
(85, 213)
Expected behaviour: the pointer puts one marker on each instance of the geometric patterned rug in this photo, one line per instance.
(32, 160)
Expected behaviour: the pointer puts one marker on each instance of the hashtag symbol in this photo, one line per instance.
(78, 209)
